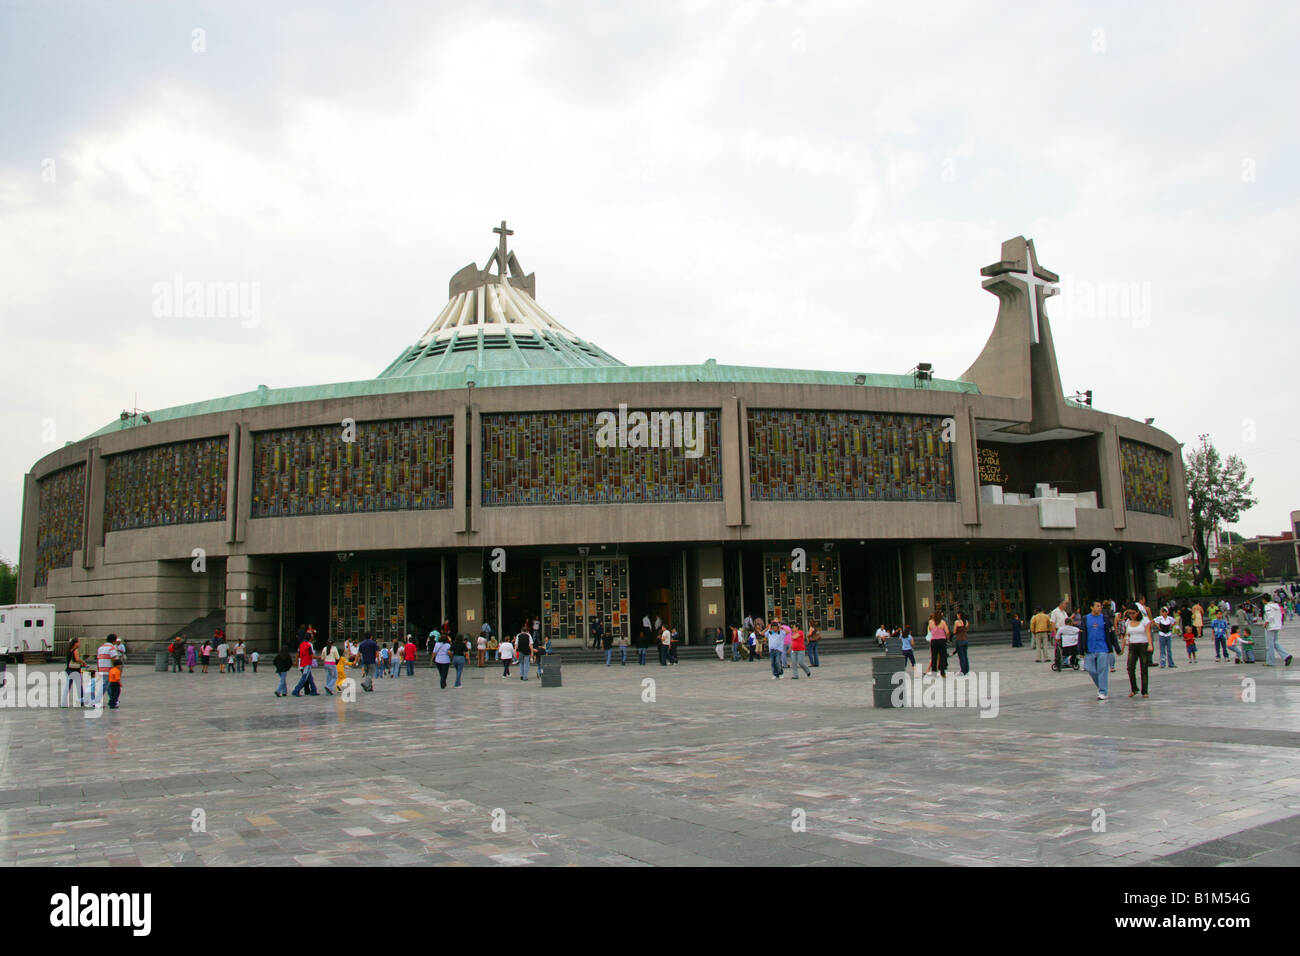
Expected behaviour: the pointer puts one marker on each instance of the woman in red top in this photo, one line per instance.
(797, 648)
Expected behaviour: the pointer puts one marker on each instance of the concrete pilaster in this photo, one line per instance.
(244, 575)
(918, 585)
(470, 603)
(704, 590)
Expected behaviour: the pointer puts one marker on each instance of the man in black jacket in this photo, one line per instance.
(283, 662)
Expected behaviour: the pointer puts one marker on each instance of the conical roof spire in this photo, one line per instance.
(492, 320)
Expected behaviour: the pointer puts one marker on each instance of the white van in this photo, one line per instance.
(26, 627)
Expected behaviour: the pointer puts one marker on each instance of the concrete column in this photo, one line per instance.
(243, 466)
(732, 453)
(1049, 578)
(234, 492)
(1112, 476)
(1178, 487)
(27, 539)
(918, 585)
(244, 575)
(459, 470)
(965, 465)
(474, 489)
(742, 411)
(93, 538)
(704, 590)
(470, 603)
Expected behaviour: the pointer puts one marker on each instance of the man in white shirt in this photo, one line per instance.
(1272, 631)
(1165, 632)
(104, 656)
(882, 635)
(1059, 616)
(775, 649)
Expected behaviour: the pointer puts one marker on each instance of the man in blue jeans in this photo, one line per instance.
(1096, 650)
(775, 650)
(369, 651)
(1165, 631)
(1272, 631)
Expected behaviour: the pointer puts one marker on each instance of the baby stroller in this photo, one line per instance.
(1067, 649)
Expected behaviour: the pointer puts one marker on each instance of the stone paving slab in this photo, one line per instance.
(716, 770)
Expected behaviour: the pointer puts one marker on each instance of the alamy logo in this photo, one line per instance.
(76, 909)
(36, 689)
(674, 429)
(179, 299)
(971, 690)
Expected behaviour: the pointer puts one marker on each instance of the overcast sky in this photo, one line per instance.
(796, 184)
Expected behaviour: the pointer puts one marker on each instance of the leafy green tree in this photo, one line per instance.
(1241, 562)
(8, 582)
(1218, 491)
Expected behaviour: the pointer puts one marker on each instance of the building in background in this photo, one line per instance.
(477, 478)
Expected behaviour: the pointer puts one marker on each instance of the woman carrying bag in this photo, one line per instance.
(72, 665)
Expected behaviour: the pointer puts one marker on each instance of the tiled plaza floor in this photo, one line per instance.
(713, 771)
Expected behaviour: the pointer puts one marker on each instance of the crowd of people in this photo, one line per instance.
(1110, 630)
(1063, 637)
(785, 646)
(232, 658)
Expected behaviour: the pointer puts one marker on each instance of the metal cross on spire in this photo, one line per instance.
(502, 231)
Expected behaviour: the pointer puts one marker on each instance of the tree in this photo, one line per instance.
(1180, 572)
(1241, 568)
(8, 582)
(1218, 491)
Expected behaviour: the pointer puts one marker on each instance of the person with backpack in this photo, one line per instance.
(524, 650)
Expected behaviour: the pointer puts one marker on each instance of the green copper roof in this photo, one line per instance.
(499, 378)
(504, 347)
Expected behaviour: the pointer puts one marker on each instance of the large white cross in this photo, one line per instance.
(1033, 284)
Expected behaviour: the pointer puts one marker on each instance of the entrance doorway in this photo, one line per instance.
(872, 590)
(424, 605)
(519, 597)
(656, 590)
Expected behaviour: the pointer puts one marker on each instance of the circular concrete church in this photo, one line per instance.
(503, 468)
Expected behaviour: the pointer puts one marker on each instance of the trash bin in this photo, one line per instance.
(160, 661)
(883, 669)
(551, 672)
